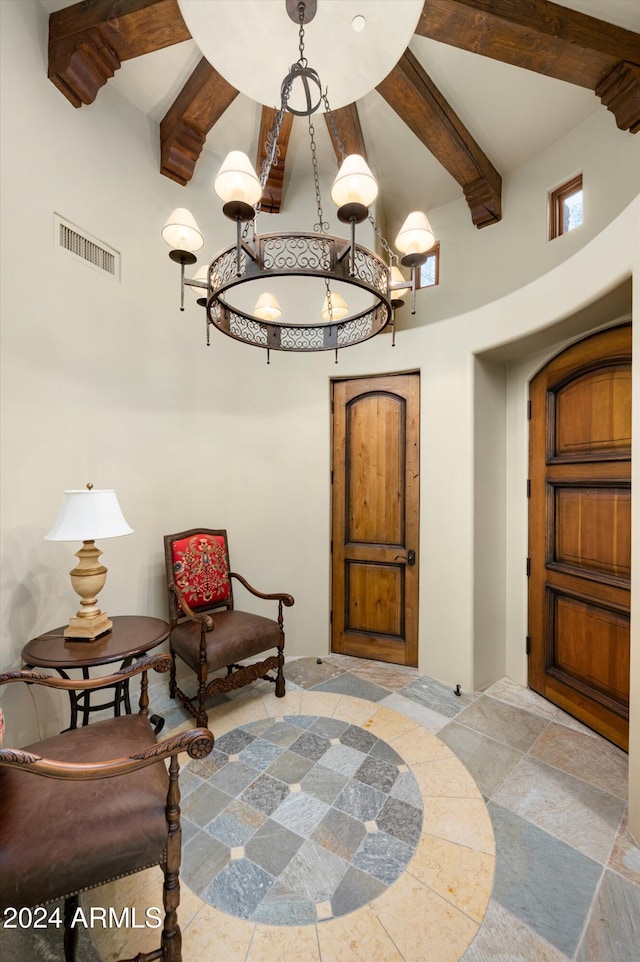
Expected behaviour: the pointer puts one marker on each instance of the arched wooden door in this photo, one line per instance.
(375, 522)
(580, 531)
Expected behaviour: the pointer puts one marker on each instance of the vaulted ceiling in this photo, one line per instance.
(89, 41)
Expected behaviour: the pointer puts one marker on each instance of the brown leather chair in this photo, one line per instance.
(93, 818)
(207, 632)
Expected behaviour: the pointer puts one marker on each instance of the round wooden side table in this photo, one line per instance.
(131, 637)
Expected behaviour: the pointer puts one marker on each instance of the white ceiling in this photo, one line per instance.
(514, 114)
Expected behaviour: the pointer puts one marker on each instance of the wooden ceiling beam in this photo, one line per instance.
(417, 100)
(184, 128)
(89, 41)
(549, 39)
(272, 197)
(349, 132)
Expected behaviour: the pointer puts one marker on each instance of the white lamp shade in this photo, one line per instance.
(202, 274)
(89, 515)
(398, 278)
(354, 183)
(415, 235)
(181, 232)
(237, 180)
(339, 308)
(267, 307)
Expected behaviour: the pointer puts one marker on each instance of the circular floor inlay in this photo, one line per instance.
(299, 819)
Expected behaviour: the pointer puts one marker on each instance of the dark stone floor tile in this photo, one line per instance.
(339, 833)
(265, 793)
(329, 727)
(356, 888)
(272, 847)
(310, 745)
(202, 858)
(382, 856)
(281, 733)
(349, 684)
(324, 783)
(378, 773)
(260, 754)
(281, 908)
(234, 741)
(360, 800)
(541, 880)
(360, 738)
(239, 888)
(290, 767)
(233, 778)
(400, 820)
(203, 804)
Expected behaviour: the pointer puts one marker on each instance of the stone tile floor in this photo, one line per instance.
(567, 870)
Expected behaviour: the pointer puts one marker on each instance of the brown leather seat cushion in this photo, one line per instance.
(60, 837)
(236, 635)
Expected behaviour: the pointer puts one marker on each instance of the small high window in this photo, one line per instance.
(429, 271)
(566, 208)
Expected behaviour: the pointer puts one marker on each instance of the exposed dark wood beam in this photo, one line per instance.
(272, 195)
(349, 131)
(417, 100)
(184, 128)
(89, 40)
(549, 39)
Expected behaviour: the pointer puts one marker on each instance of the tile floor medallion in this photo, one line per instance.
(563, 872)
(339, 831)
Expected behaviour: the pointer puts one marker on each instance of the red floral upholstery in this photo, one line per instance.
(200, 569)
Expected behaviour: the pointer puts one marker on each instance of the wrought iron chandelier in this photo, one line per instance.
(259, 259)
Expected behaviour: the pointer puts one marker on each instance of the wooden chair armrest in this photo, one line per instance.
(159, 663)
(197, 742)
(204, 620)
(286, 599)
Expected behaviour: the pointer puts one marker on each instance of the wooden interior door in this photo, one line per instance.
(375, 521)
(580, 531)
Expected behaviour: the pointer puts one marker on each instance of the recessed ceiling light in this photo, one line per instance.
(358, 24)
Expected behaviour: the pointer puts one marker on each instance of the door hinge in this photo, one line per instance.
(528, 410)
(528, 644)
(528, 487)
(331, 617)
(332, 477)
(528, 567)
(331, 547)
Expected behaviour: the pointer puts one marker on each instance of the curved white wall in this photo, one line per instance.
(109, 383)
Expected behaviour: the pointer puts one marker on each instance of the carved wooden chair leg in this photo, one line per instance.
(280, 685)
(172, 675)
(70, 941)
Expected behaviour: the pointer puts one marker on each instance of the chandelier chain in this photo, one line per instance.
(321, 225)
(301, 59)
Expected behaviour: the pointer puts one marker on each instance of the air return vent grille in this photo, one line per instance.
(81, 245)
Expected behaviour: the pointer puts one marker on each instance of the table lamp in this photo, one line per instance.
(85, 516)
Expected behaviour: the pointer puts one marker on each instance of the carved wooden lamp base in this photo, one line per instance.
(88, 579)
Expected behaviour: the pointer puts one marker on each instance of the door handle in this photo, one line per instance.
(410, 559)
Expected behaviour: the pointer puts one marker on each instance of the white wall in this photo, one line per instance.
(109, 383)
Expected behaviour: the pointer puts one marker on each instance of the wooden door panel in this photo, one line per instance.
(593, 529)
(375, 518)
(375, 465)
(375, 598)
(580, 531)
(590, 645)
(592, 417)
